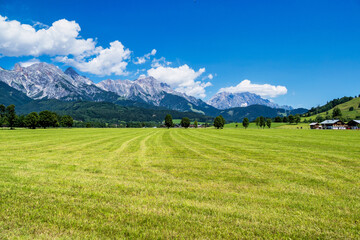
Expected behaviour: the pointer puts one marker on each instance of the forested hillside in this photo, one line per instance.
(9, 95)
(349, 110)
(328, 106)
(105, 112)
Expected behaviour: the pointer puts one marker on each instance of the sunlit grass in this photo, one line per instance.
(177, 183)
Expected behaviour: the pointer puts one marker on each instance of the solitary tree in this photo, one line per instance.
(278, 119)
(47, 119)
(222, 120)
(67, 121)
(11, 115)
(262, 122)
(291, 119)
(336, 113)
(268, 123)
(2, 114)
(245, 123)
(196, 124)
(168, 121)
(32, 120)
(285, 119)
(185, 122)
(297, 118)
(257, 121)
(219, 122)
(351, 109)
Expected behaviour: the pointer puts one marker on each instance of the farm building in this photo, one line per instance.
(333, 124)
(315, 125)
(354, 124)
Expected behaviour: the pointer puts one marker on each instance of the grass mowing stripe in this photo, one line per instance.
(177, 183)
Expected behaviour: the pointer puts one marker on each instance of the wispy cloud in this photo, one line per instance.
(143, 59)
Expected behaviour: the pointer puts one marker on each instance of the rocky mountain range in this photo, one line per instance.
(226, 100)
(146, 89)
(46, 81)
(42, 81)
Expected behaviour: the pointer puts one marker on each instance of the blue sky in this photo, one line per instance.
(312, 48)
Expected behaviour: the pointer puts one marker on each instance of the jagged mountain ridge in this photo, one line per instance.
(147, 89)
(151, 91)
(226, 100)
(46, 81)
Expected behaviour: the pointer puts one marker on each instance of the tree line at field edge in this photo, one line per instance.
(44, 119)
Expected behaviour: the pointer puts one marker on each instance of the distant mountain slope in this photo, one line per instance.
(254, 111)
(345, 109)
(251, 112)
(297, 111)
(226, 100)
(151, 91)
(104, 111)
(9, 95)
(146, 89)
(46, 81)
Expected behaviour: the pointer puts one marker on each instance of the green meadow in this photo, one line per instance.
(179, 183)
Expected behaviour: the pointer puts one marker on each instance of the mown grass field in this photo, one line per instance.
(177, 183)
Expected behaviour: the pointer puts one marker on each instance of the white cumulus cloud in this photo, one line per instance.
(181, 79)
(264, 90)
(62, 38)
(101, 61)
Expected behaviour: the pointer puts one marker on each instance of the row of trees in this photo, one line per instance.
(185, 122)
(289, 119)
(219, 122)
(262, 122)
(44, 119)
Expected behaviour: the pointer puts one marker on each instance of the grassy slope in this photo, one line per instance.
(344, 109)
(177, 183)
